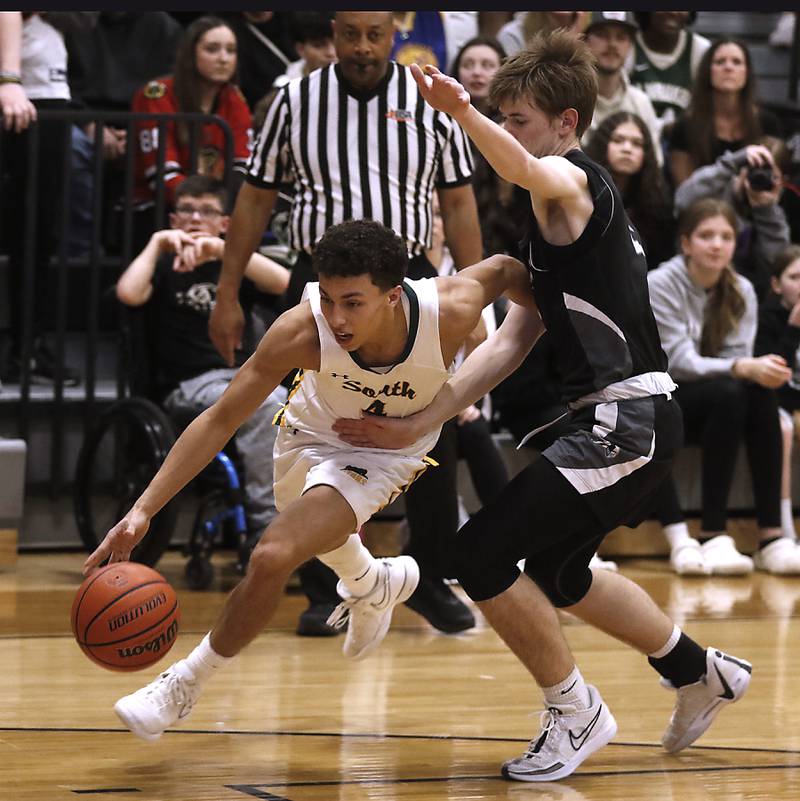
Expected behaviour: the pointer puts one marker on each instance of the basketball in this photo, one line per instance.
(125, 616)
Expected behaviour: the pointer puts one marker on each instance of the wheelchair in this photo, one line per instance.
(121, 452)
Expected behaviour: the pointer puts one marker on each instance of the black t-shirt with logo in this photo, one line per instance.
(181, 305)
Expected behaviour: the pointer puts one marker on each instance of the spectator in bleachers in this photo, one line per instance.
(517, 32)
(176, 275)
(108, 63)
(474, 67)
(204, 80)
(432, 37)
(313, 40)
(723, 113)
(111, 60)
(33, 77)
(312, 32)
(779, 332)
(706, 315)
(750, 179)
(665, 60)
(265, 49)
(790, 198)
(609, 35)
(623, 145)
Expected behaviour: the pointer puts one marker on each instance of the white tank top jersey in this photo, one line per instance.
(345, 386)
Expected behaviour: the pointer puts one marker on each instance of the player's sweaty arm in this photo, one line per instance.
(491, 362)
(546, 178)
(501, 275)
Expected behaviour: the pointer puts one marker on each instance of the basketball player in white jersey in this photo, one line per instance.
(363, 339)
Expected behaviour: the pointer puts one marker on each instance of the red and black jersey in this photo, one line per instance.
(158, 97)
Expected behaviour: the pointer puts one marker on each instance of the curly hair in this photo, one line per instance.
(647, 198)
(556, 70)
(359, 247)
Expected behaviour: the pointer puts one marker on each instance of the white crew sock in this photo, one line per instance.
(354, 564)
(668, 645)
(572, 690)
(202, 662)
(676, 534)
(787, 519)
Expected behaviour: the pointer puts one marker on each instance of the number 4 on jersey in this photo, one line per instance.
(376, 407)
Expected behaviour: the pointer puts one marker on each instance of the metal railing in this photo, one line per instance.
(21, 408)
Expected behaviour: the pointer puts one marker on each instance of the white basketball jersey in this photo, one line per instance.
(344, 386)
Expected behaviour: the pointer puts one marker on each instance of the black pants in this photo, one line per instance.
(542, 518)
(718, 414)
(484, 461)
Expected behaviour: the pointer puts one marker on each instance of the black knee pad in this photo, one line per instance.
(565, 580)
(480, 570)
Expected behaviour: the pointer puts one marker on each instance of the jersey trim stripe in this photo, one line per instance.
(277, 420)
(413, 328)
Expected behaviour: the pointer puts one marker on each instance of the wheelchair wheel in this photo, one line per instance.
(120, 455)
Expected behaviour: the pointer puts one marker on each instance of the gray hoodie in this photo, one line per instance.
(679, 308)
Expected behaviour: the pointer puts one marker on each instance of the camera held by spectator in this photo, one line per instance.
(761, 179)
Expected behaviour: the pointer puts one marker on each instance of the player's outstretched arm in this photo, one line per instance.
(492, 361)
(545, 178)
(499, 275)
(290, 342)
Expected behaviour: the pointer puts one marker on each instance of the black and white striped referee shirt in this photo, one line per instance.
(351, 155)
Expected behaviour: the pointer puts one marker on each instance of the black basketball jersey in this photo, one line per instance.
(592, 294)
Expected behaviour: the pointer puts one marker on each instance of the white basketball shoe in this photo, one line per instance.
(567, 738)
(369, 615)
(166, 701)
(725, 681)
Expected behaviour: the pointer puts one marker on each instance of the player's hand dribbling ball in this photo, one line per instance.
(125, 616)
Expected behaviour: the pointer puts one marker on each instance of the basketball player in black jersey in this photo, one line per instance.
(587, 269)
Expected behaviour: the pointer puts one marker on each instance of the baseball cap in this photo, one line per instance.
(624, 18)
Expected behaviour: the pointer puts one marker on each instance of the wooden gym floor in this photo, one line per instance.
(429, 716)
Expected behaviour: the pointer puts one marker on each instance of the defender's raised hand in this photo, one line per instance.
(441, 91)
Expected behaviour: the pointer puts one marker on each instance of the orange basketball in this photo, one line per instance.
(125, 616)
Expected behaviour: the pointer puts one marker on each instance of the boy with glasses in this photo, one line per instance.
(176, 275)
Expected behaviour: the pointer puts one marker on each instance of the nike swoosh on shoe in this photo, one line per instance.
(728, 692)
(581, 737)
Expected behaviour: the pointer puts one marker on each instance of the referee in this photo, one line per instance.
(358, 141)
